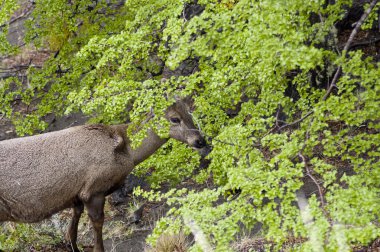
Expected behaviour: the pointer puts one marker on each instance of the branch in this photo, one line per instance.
(308, 172)
(15, 68)
(278, 115)
(297, 121)
(25, 13)
(221, 141)
(365, 43)
(347, 46)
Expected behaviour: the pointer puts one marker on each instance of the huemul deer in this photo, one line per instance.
(78, 167)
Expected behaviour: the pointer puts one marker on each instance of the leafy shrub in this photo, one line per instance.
(19, 237)
(260, 78)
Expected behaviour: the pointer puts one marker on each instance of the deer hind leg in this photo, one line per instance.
(72, 231)
(95, 209)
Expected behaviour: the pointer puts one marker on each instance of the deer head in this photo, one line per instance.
(182, 126)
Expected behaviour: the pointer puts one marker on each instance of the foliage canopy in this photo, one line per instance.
(258, 72)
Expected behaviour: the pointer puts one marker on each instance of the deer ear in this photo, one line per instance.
(177, 98)
(189, 103)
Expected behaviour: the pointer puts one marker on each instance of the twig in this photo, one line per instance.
(308, 172)
(347, 46)
(184, 14)
(221, 141)
(364, 43)
(296, 121)
(277, 115)
(14, 69)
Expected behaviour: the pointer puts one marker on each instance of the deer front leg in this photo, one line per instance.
(95, 209)
(72, 231)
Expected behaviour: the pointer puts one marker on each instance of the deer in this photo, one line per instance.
(77, 168)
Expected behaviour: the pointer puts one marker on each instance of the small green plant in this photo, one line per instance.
(19, 236)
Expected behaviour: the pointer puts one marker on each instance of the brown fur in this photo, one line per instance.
(41, 175)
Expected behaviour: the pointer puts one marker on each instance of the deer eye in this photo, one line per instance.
(175, 120)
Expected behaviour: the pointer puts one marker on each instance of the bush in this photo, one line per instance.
(262, 77)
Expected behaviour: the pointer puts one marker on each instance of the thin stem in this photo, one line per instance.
(297, 121)
(308, 172)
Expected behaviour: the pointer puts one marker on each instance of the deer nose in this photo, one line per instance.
(199, 143)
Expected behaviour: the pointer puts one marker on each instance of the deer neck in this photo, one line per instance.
(149, 145)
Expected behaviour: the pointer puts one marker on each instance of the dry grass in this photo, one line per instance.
(170, 243)
(247, 244)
